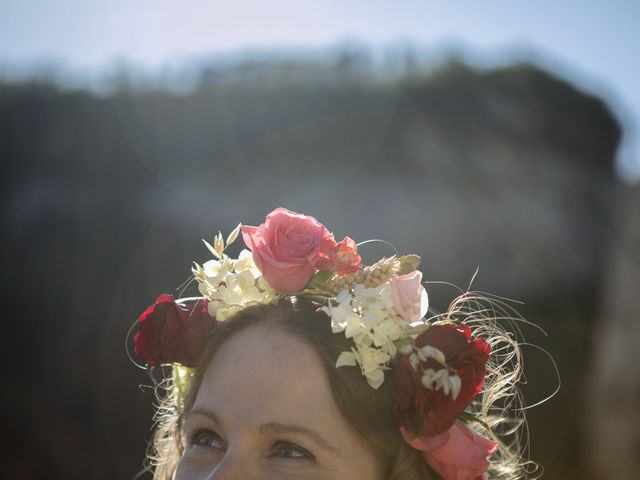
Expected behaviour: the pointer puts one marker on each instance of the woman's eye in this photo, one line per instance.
(289, 450)
(206, 438)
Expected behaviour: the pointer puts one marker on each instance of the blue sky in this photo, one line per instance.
(592, 43)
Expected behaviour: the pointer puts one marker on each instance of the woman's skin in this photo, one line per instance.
(265, 411)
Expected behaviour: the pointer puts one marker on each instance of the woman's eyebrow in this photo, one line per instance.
(204, 413)
(275, 427)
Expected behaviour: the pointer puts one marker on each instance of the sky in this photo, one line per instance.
(592, 43)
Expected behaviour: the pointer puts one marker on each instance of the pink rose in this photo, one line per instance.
(288, 249)
(458, 454)
(409, 297)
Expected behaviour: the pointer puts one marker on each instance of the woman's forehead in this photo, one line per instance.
(265, 385)
(267, 374)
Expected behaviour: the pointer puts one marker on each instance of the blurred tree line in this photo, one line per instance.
(105, 199)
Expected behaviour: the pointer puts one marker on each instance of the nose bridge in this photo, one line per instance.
(234, 466)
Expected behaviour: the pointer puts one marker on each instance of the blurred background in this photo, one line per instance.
(498, 134)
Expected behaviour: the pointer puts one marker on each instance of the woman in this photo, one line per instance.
(300, 363)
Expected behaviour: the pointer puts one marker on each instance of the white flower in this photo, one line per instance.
(215, 270)
(346, 359)
(230, 284)
(425, 353)
(371, 360)
(213, 306)
(367, 317)
(453, 385)
(342, 315)
(429, 351)
(241, 288)
(435, 380)
(245, 262)
(211, 274)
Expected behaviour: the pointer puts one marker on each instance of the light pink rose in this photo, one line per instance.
(288, 249)
(410, 299)
(458, 454)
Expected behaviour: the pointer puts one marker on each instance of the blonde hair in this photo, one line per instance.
(499, 405)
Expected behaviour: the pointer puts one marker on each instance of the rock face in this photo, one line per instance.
(613, 416)
(105, 201)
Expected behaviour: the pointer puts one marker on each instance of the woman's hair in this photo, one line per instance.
(368, 410)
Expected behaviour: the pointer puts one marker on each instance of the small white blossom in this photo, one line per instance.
(366, 316)
(372, 363)
(414, 361)
(245, 262)
(213, 306)
(241, 288)
(229, 284)
(454, 385)
(435, 380)
(346, 359)
(425, 353)
(343, 296)
(429, 351)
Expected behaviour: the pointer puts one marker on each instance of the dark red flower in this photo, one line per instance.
(426, 412)
(173, 332)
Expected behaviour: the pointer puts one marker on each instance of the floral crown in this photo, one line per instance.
(438, 367)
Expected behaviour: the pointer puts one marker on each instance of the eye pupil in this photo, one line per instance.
(206, 439)
(291, 451)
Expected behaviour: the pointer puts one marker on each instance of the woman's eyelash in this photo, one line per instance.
(207, 438)
(291, 450)
(204, 437)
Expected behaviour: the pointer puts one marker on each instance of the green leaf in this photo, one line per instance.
(408, 263)
(467, 417)
(182, 377)
(318, 280)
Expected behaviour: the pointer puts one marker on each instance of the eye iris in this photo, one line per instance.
(203, 439)
(291, 451)
(206, 439)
